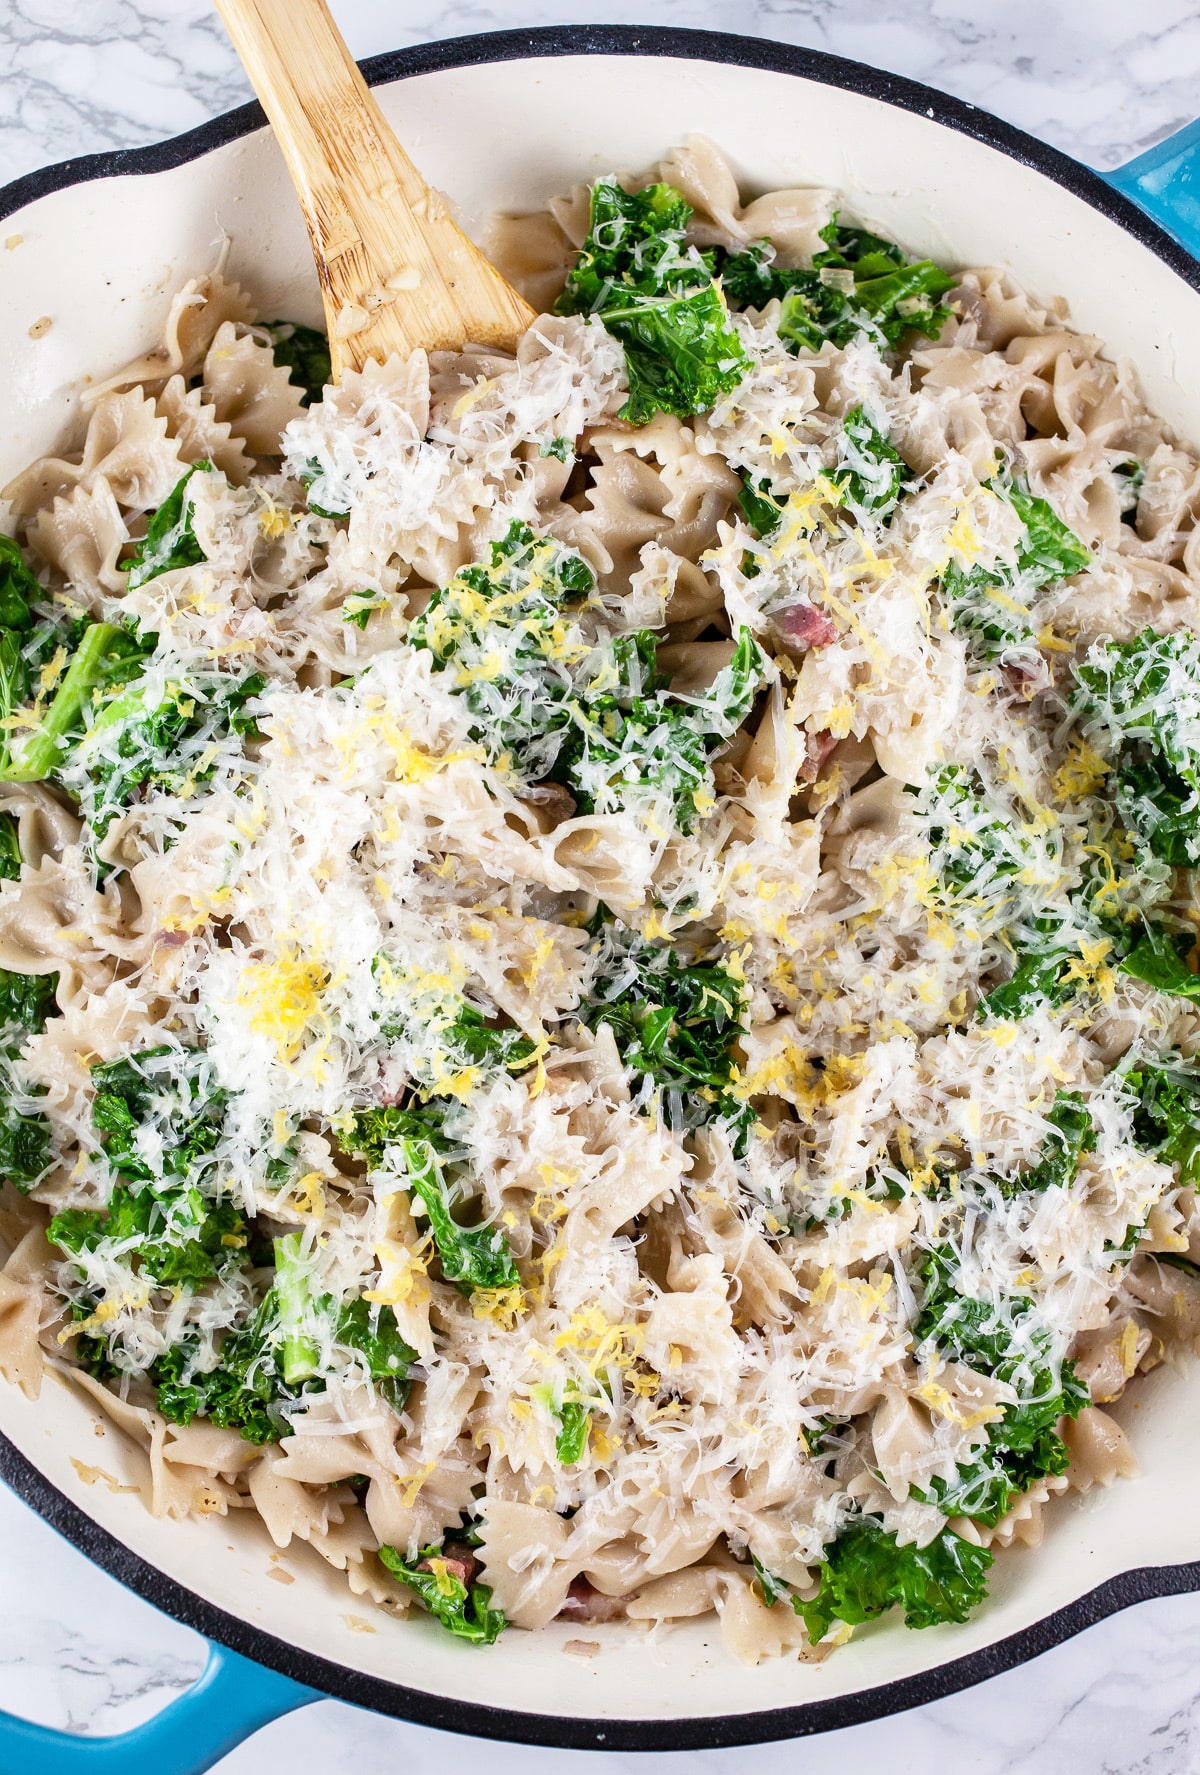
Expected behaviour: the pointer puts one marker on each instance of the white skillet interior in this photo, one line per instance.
(101, 260)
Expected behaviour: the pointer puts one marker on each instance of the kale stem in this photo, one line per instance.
(299, 1355)
(45, 745)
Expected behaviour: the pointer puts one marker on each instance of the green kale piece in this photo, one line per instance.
(637, 735)
(484, 1044)
(847, 246)
(372, 1333)
(773, 1589)
(606, 732)
(463, 1608)
(657, 296)
(1073, 1136)
(176, 1237)
(499, 628)
(26, 1000)
(471, 1257)
(760, 508)
(173, 1084)
(245, 1391)
(304, 1320)
(25, 1147)
(880, 291)
(103, 658)
(981, 852)
(1039, 979)
(19, 589)
(248, 1390)
(1011, 1343)
(575, 1423)
(1143, 696)
(763, 513)
(1160, 958)
(304, 353)
(986, 1488)
(675, 1027)
(1166, 1121)
(989, 604)
(14, 689)
(871, 472)
(10, 848)
(865, 1573)
(360, 607)
(561, 448)
(169, 541)
(369, 1132)
(138, 744)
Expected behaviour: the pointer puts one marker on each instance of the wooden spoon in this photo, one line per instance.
(396, 273)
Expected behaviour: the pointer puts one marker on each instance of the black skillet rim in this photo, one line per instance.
(710, 1732)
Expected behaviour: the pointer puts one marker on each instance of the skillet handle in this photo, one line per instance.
(232, 1699)
(1165, 182)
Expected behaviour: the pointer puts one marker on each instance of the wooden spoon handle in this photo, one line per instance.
(396, 273)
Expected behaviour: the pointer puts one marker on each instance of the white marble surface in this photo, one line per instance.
(1102, 79)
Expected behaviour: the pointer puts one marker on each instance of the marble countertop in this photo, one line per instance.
(1101, 79)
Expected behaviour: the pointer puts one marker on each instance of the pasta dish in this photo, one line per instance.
(598, 947)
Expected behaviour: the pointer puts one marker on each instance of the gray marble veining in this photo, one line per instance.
(1101, 79)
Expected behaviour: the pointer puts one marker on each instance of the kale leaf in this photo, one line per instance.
(871, 472)
(1039, 979)
(1143, 696)
(19, 590)
(675, 1027)
(550, 706)
(657, 296)
(760, 508)
(306, 1320)
(1166, 1121)
(865, 1573)
(10, 848)
(472, 1257)
(369, 1132)
(140, 743)
(169, 541)
(464, 1609)
(1010, 1342)
(859, 283)
(635, 734)
(159, 1113)
(1160, 958)
(486, 1044)
(26, 1000)
(244, 1391)
(499, 629)
(26, 1145)
(575, 1423)
(176, 1237)
(989, 604)
(304, 353)
(1073, 1136)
